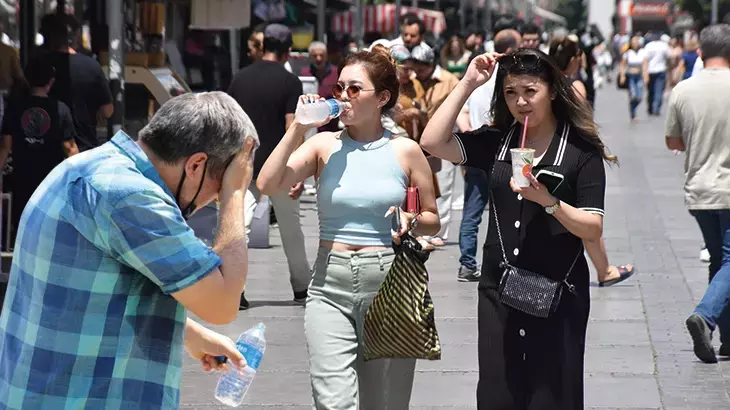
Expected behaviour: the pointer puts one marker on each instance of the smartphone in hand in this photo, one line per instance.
(551, 180)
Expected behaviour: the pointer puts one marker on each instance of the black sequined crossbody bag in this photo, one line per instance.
(527, 291)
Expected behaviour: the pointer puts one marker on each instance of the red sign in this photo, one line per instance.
(650, 9)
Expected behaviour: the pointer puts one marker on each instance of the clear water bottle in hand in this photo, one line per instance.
(233, 385)
(318, 111)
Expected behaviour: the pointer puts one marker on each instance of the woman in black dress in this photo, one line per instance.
(527, 362)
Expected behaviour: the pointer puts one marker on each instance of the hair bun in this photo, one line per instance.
(381, 49)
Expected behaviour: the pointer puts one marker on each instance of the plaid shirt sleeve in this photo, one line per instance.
(147, 233)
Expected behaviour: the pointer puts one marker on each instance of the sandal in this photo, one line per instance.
(438, 242)
(624, 273)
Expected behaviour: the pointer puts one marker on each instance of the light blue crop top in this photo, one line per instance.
(356, 187)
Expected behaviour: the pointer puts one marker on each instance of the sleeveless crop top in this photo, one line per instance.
(356, 187)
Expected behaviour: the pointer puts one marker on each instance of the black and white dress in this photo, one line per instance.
(527, 362)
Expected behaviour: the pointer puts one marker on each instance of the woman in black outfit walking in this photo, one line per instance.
(528, 362)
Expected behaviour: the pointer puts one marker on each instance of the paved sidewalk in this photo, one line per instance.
(639, 355)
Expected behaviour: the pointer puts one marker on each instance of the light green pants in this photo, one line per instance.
(343, 286)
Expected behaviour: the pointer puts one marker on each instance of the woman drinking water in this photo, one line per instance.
(362, 172)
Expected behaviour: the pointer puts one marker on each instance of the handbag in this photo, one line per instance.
(622, 85)
(527, 291)
(400, 321)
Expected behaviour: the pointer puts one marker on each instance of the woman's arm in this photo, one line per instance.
(583, 224)
(438, 137)
(412, 157)
(580, 89)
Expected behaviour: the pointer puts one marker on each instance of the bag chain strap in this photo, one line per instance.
(571, 287)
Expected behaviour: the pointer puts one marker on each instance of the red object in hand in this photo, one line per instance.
(413, 201)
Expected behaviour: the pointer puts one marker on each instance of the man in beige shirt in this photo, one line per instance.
(437, 84)
(697, 123)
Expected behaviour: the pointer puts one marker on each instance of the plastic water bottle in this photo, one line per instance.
(318, 111)
(232, 386)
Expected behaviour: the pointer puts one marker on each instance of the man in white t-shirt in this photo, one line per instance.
(475, 114)
(412, 30)
(656, 56)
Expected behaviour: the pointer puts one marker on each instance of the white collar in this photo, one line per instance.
(436, 73)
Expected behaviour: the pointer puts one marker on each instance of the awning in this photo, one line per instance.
(381, 18)
(549, 15)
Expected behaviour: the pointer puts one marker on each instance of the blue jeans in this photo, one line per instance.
(636, 83)
(476, 194)
(715, 227)
(657, 82)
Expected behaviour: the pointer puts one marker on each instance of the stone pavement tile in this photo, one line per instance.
(444, 389)
(619, 360)
(617, 333)
(454, 358)
(617, 309)
(269, 388)
(627, 392)
(271, 309)
(455, 308)
(457, 331)
(624, 291)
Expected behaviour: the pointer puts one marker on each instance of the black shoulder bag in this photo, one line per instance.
(527, 291)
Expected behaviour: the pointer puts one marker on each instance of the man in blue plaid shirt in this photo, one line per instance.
(105, 264)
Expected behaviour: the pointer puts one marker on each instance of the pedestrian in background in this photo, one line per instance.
(268, 93)
(656, 55)
(633, 73)
(437, 84)
(476, 114)
(567, 54)
(412, 31)
(689, 59)
(455, 56)
(697, 123)
(362, 175)
(674, 69)
(40, 133)
(325, 73)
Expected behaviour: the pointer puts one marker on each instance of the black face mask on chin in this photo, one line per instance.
(190, 209)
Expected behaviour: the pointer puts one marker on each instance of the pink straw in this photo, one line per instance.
(524, 132)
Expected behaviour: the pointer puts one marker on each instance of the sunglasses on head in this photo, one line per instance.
(353, 91)
(519, 61)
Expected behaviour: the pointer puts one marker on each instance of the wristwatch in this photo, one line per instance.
(550, 210)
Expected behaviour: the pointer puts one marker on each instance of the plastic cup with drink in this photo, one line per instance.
(522, 160)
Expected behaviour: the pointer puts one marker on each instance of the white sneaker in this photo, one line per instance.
(705, 255)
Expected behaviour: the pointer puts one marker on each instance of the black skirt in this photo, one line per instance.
(529, 363)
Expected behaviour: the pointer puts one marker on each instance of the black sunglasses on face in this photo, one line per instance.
(519, 61)
(353, 91)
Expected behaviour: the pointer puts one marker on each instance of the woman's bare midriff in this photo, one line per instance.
(343, 247)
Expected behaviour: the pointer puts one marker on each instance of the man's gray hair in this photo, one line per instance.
(212, 123)
(317, 45)
(715, 41)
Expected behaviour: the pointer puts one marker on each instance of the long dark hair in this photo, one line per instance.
(566, 106)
